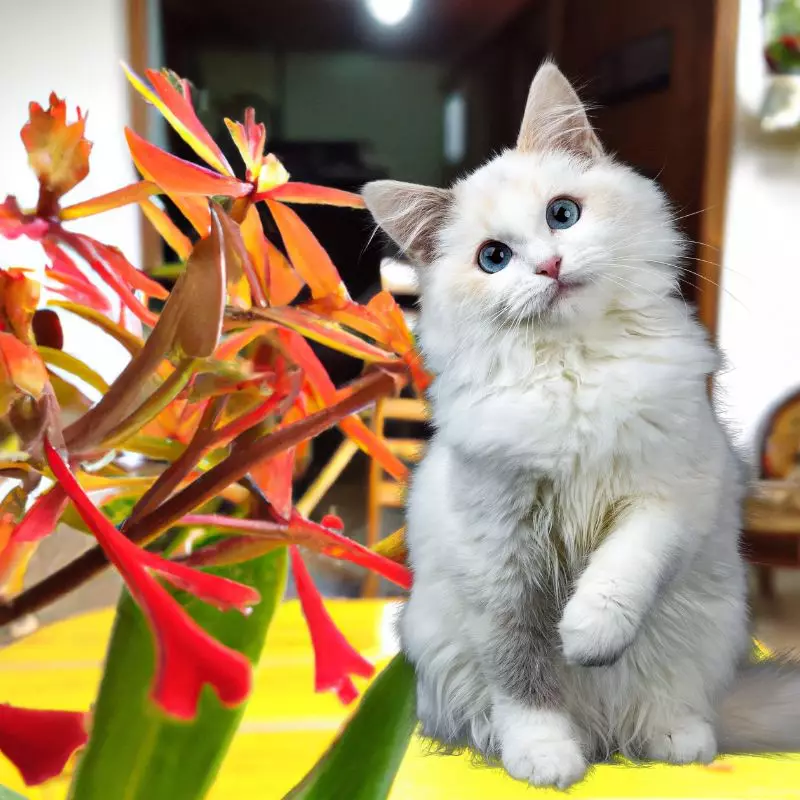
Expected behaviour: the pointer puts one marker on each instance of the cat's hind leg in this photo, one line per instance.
(453, 701)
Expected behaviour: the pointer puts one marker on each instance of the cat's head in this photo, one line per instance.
(552, 233)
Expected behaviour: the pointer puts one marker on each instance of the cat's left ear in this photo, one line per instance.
(411, 214)
(555, 118)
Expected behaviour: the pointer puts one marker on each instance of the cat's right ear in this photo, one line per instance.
(555, 118)
(411, 215)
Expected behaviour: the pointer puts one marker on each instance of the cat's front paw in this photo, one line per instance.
(538, 747)
(558, 762)
(689, 740)
(597, 627)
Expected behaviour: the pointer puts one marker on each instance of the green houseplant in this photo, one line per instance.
(219, 397)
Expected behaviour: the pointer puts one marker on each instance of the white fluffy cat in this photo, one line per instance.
(573, 528)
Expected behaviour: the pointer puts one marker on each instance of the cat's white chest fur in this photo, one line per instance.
(569, 410)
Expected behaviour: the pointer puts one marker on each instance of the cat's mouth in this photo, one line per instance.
(563, 289)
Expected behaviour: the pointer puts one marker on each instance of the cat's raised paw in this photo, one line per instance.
(556, 762)
(690, 740)
(596, 628)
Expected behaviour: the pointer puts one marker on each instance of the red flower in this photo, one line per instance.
(187, 657)
(42, 517)
(58, 152)
(39, 743)
(335, 659)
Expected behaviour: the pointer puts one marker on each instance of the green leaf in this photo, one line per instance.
(136, 748)
(364, 758)
(7, 794)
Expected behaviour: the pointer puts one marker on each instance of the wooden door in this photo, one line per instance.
(661, 75)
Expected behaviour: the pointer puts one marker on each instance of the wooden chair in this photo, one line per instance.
(383, 492)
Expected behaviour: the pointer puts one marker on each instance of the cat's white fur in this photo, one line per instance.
(577, 468)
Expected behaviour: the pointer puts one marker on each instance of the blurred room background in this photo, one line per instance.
(424, 90)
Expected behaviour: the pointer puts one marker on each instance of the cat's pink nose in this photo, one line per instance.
(550, 268)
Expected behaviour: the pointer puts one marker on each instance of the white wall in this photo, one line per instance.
(760, 305)
(73, 48)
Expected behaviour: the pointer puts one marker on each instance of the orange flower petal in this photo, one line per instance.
(326, 332)
(280, 283)
(296, 192)
(134, 193)
(22, 370)
(167, 229)
(174, 175)
(57, 152)
(319, 380)
(20, 297)
(271, 173)
(250, 139)
(179, 112)
(75, 285)
(306, 254)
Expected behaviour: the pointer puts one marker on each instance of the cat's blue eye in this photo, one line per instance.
(562, 213)
(494, 256)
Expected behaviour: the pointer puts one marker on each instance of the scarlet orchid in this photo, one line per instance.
(265, 180)
(220, 399)
(58, 152)
(334, 657)
(19, 297)
(22, 372)
(188, 658)
(40, 743)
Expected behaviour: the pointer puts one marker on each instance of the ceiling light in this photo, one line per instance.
(389, 12)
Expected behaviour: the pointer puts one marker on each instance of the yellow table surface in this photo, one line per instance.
(286, 726)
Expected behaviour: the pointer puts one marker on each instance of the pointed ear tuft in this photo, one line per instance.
(411, 214)
(555, 118)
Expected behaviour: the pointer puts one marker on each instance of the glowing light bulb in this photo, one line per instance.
(389, 12)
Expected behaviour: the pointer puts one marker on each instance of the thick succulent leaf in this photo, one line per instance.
(362, 762)
(153, 406)
(132, 343)
(243, 281)
(22, 371)
(135, 278)
(202, 286)
(74, 366)
(134, 193)
(179, 326)
(306, 254)
(233, 344)
(75, 285)
(151, 756)
(280, 283)
(20, 297)
(177, 109)
(94, 255)
(319, 380)
(167, 229)
(174, 175)
(295, 192)
(322, 330)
